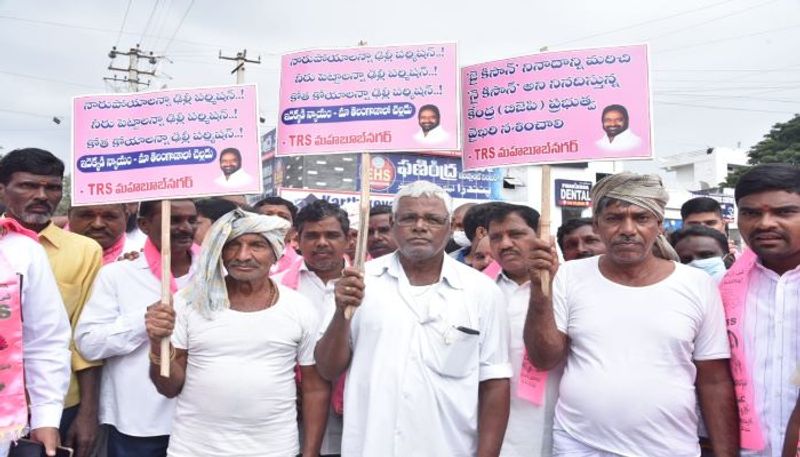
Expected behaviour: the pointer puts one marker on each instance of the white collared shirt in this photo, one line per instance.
(237, 179)
(46, 332)
(412, 386)
(321, 296)
(530, 427)
(435, 135)
(625, 141)
(772, 348)
(111, 328)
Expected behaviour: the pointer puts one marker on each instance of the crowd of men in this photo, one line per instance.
(466, 334)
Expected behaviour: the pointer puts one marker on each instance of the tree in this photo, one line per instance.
(781, 144)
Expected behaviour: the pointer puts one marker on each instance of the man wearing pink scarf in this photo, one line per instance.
(761, 294)
(104, 224)
(112, 329)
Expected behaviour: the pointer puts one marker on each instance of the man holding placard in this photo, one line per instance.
(511, 231)
(635, 328)
(236, 338)
(427, 348)
(112, 329)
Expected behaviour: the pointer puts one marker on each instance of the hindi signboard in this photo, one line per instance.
(555, 107)
(166, 144)
(369, 99)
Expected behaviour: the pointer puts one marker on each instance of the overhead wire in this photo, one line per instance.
(124, 20)
(178, 28)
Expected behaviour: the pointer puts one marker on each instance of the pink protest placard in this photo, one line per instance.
(167, 144)
(590, 104)
(381, 99)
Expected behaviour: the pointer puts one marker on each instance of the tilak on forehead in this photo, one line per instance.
(645, 191)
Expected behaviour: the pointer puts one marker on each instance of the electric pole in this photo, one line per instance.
(240, 59)
(133, 77)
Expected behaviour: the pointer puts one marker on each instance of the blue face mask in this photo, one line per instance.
(714, 266)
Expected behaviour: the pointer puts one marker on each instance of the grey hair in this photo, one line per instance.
(424, 189)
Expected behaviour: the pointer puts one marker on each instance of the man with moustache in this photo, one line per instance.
(111, 329)
(236, 339)
(277, 206)
(230, 162)
(427, 347)
(104, 224)
(761, 293)
(322, 229)
(31, 183)
(577, 240)
(430, 132)
(636, 328)
(618, 135)
(379, 236)
(512, 229)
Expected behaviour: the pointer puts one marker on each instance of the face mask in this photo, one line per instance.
(460, 237)
(714, 266)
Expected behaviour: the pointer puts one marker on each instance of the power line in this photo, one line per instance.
(124, 19)
(726, 108)
(180, 23)
(726, 97)
(735, 37)
(98, 29)
(724, 16)
(149, 19)
(639, 24)
(39, 78)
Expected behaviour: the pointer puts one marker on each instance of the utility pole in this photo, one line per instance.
(240, 59)
(133, 77)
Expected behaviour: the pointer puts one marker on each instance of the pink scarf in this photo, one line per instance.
(112, 253)
(291, 279)
(153, 258)
(7, 224)
(13, 406)
(733, 289)
(289, 258)
(532, 381)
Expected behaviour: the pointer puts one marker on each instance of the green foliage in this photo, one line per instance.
(781, 144)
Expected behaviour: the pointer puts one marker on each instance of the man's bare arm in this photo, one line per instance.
(494, 401)
(546, 345)
(316, 394)
(718, 404)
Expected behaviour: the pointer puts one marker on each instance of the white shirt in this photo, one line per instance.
(46, 332)
(772, 348)
(134, 240)
(412, 386)
(625, 141)
(236, 179)
(530, 427)
(628, 385)
(321, 296)
(435, 135)
(239, 397)
(111, 328)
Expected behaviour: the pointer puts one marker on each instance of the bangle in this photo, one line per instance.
(155, 359)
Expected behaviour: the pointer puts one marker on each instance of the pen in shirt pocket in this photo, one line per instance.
(467, 330)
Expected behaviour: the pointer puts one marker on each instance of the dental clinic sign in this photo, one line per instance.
(573, 193)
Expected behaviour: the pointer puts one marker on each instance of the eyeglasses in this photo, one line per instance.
(431, 220)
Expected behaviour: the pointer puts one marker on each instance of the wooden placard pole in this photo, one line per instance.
(363, 226)
(166, 274)
(544, 223)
